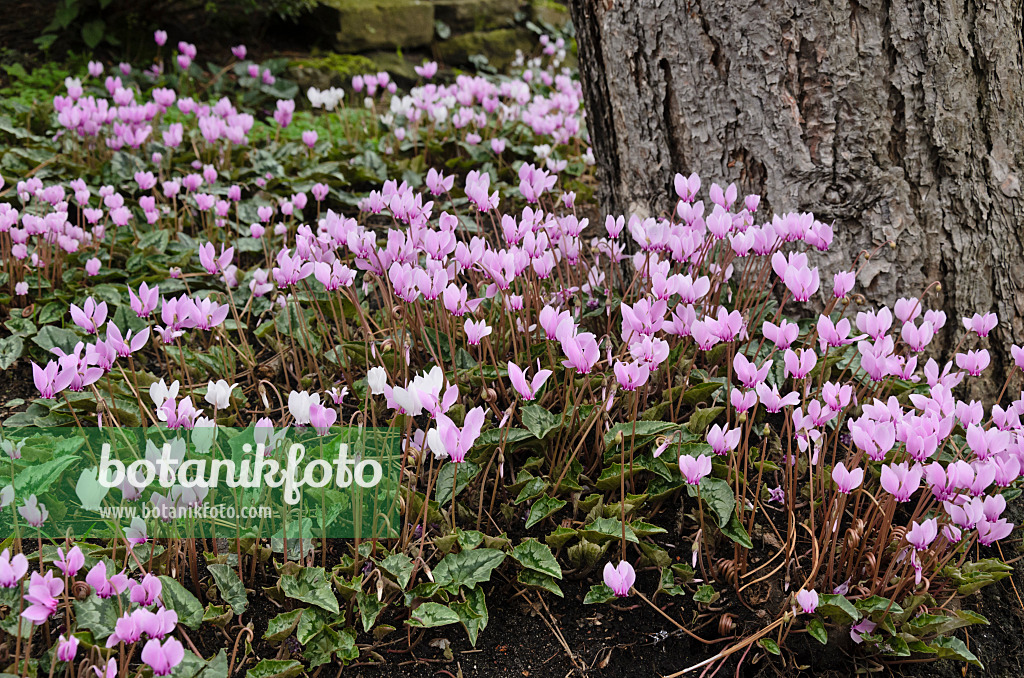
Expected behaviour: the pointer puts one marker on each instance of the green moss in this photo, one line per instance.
(342, 65)
(552, 13)
(498, 46)
(365, 25)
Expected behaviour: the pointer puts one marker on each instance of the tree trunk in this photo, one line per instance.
(898, 120)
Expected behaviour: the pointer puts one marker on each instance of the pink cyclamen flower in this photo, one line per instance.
(147, 592)
(34, 513)
(982, 324)
(619, 579)
(743, 401)
(799, 363)
(160, 38)
(476, 331)
(42, 597)
(632, 375)
(145, 302)
(321, 418)
(747, 371)
(12, 569)
(67, 648)
(448, 440)
(974, 362)
(427, 70)
(155, 624)
(110, 671)
(527, 389)
(239, 51)
(91, 316)
(847, 481)
(126, 630)
(802, 282)
(309, 138)
(921, 535)
(901, 480)
(990, 532)
(71, 562)
(104, 587)
(694, 468)
(92, 267)
(842, 283)
(807, 600)
(163, 658)
(723, 441)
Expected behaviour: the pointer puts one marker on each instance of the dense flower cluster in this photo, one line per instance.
(473, 273)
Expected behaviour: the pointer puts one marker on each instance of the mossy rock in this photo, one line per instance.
(365, 25)
(551, 13)
(498, 46)
(476, 15)
(330, 70)
(399, 67)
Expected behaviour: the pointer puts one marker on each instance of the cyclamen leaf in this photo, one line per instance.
(533, 555)
(10, 350)
(230, 587)
(275, 668)
(430, 615)
(817, 631)
(542, 508)
(598, 593)
(99, 615)
(838, 608)
(282, 626)
(541, 581)
(311, 586)
(176, 597)
(400, 566)
(539, 421)
(467, 568)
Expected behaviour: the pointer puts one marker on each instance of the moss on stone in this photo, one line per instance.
(381, 24)
(476, 15)
(550, 12)
(498, 46)
(329, 70)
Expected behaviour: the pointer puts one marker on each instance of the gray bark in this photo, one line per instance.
(898, 120)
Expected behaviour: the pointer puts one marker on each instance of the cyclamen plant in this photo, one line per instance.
(526, 356)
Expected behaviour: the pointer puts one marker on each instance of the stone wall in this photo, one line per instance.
(448, 30)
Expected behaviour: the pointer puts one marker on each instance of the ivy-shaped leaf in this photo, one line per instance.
(282, 626)
(369, 608)
(533, 555)
(467, 471)
(429, 615)
(837, 608)
(467, 568)
(275, 668)
(734, 530)
(539, 421)
(598, 593)
(400, 567)
(472, 613)
(176, 597)
(230, 586)
(702, 418)
(312, 586)
(603, 530)
(542, 508)
(817, 631)
(99, 615)
(537, 580)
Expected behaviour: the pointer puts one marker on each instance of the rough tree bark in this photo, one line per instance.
(900, 120)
